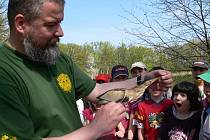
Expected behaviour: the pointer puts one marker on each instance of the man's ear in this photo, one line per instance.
(20, 23)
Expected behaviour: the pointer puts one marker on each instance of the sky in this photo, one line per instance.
(88, 21)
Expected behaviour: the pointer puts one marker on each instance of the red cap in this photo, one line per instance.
(103, 77)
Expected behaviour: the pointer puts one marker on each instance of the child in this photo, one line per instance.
(150, 113)
(205, 118)
(182, 120)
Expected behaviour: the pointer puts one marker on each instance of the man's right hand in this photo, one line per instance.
(108, 117)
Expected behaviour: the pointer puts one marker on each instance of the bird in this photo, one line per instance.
(125, 95)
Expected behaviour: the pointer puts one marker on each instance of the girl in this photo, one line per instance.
(182, 120)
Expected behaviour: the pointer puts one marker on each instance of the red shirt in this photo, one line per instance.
(149, 115)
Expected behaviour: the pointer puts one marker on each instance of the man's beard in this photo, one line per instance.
(42, 54)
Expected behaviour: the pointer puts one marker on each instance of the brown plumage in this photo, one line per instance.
(125, 95)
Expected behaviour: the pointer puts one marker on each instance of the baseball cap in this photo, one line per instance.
(103, 77)
(205, 76)
(200, 64)
(119, 70)
(138, 65)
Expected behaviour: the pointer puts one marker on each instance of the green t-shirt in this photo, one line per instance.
(38, 100)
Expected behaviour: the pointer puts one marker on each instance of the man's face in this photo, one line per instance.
(197, 71)
(137, 72)
(37, 53)
(40, 42)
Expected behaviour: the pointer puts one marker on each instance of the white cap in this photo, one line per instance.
(138, 65)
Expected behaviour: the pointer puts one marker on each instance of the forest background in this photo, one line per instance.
(174, 36)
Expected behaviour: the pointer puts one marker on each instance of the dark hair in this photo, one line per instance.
(192, 92)
(29, 8)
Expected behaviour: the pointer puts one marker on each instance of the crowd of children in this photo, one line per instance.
(184, 115)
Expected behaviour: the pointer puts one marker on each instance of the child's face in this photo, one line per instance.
(154, 90)
(181, 102)
(207, 89)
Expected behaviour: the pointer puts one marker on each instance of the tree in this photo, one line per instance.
(100, 57)
(104, 56)
(3, 21)
(173, 25)
(121, 55)
(81, 55)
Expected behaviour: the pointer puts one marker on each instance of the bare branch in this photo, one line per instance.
(181, 26)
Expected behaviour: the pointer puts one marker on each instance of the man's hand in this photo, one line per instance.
(165, 80)
(108, 117)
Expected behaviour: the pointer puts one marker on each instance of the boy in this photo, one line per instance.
(150, 113)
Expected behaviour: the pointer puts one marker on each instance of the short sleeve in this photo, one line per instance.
(83, 83)
(139, 116)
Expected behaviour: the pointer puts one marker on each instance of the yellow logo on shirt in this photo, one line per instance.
(7, 137)
(64, 82)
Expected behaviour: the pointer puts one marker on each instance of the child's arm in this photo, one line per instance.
(141, 133)
(131, 131)
(131, 128)
(121, 130)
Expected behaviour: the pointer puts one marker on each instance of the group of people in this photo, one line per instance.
(39, 86)
(157, 116)
(125, 128)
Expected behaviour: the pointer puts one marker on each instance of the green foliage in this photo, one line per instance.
(104, 56)
(180, 78)
(121, 55)
(100, 57)
(140, 53)
(80, 54)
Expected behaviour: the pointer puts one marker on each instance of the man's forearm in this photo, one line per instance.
(102, 88)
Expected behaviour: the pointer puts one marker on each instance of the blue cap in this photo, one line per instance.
(119, 70)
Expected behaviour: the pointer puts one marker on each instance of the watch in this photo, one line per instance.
(140, 80)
